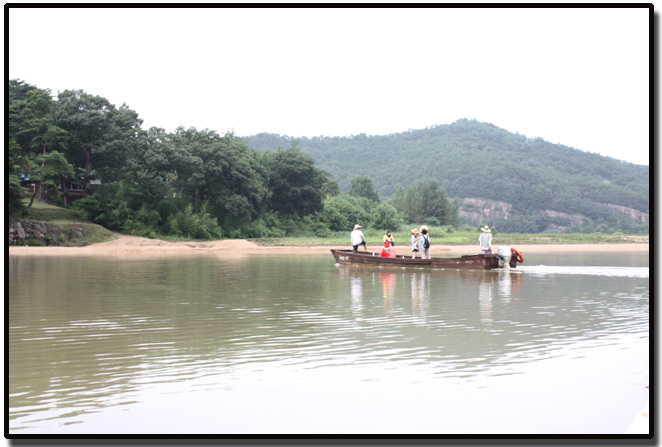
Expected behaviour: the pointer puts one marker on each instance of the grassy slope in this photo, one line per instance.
(62, 217)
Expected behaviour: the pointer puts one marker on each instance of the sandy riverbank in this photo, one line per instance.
(130, 246)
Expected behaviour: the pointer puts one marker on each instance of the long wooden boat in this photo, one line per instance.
(479, 261)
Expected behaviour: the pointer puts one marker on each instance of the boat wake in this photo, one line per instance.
(627, 272)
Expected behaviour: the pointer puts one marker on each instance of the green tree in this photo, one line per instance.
(342, 212)
(39, 123)
(385, 217)
(297, 186)
(88, 119)
(102, 135)
(14, 187)
(39, 134)
(50, 169)
(331, 188)
(362, 187)
(151, 165)
(17, 93)
(220, 170)
(121, 140)
(425, 199)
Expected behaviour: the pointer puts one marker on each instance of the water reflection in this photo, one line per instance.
(506, 281)
(95, 335)
(388, 281)
(420, 297)
(356, 284)
(485, 300)
(505, 284)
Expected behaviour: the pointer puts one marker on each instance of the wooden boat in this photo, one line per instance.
(348, 257)
(479, 261)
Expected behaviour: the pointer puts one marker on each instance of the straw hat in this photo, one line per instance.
(486, 229)
(414, 231)
(357, 226)
(424, 227)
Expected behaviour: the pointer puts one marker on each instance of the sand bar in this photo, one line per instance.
(133, 246)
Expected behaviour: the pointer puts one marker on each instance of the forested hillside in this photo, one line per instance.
(79, 151)
(478, 160)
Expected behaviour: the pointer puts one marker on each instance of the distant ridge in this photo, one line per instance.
(476, 160)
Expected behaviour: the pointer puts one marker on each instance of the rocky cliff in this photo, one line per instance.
(480, 209)
(27, 232)
(633, 214)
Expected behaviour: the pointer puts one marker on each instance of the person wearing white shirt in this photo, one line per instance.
(358, 238)
(485, 239)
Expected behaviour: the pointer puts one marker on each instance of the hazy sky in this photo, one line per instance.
(579, 77)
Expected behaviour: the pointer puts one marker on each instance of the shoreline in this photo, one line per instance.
(134, 246)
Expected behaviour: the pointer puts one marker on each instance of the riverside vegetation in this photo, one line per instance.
(70, 234)
(79, 152)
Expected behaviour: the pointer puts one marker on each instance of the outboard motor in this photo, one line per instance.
(504, 254)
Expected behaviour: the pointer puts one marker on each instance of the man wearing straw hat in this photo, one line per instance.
(485, 239)
(357, 238)
(415, 242)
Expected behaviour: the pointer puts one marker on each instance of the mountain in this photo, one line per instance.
(496, 175)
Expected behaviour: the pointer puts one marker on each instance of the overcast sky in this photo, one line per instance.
(578, 77)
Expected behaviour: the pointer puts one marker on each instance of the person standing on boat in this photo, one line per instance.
(425, 243)
(485, 239)
(357, 238)
(415, 242)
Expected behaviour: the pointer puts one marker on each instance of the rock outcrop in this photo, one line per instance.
(635, 215)
(480, 209)
(576, 220)
(28, 232)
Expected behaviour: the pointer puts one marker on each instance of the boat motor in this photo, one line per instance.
(504, 254)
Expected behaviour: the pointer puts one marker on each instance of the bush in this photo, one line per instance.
(268, 225)
(431, 222)
(49, 214)
(342, 212)
(33, 241)
(194, 225)
(387, 217)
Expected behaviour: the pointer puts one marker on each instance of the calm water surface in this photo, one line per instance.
(297, 344)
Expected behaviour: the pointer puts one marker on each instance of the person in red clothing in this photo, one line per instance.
(389, 250)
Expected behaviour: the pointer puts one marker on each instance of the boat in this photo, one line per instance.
(478, 261)
(348, 257)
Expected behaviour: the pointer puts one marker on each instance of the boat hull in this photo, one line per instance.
(348, 257)
(480, 261)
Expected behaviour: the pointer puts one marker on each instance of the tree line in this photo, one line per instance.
(471, 159)
(187, 183)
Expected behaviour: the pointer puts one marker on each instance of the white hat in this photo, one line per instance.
(486, 229)
(357, 226)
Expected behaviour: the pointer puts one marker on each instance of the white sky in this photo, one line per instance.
(578, 77)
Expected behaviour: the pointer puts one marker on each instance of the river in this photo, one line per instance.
(296, 344)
